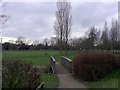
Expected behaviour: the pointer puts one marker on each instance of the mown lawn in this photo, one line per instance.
(38, 57)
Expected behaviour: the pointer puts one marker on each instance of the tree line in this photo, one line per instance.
(105, 39)
(23, 44)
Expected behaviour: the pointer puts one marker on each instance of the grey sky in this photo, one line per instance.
(35, 20)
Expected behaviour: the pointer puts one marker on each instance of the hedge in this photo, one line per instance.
(20, 74)
(94, 66)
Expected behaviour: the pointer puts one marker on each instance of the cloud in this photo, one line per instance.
(57, 0)
(35, 20)
(93, 13)
(32, 20)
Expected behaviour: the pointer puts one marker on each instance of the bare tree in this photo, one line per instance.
(27, 42)
(36, 42)
(11, 41)
(53, 41)
(20, 40)
(62, 24)
(3, 16)
(46, 42)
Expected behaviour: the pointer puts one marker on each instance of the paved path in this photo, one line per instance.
(66, 80)
(60, 69)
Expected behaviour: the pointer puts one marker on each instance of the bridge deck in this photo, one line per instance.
(66, 79)
(60, 69)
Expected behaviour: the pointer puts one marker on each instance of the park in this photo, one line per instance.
(90, 62)
(51, 80)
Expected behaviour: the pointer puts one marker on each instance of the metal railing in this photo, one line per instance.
(67, 63)
(53, 64)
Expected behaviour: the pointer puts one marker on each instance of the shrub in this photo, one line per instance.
(94, 66)
(47, 69)
(20, 74)
(118, 60)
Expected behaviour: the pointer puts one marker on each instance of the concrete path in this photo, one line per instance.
(60, 69)
(66, 80)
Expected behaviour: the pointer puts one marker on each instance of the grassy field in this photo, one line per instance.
(36, 57)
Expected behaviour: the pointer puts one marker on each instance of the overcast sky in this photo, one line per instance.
(35, 20)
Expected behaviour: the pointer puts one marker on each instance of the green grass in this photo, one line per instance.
(50, 80)
(33, 56)
(36, 56)
(110, 81)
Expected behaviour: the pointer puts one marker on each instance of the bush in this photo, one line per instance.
(118, 60)
(47, 69)
(20, 74)
(94, 66)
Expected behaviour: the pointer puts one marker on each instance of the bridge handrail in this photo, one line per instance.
(67, 63)
(53, 64)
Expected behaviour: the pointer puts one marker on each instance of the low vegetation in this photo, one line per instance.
(109, 81)
(20, 74)
(94, 66)
(50, 80)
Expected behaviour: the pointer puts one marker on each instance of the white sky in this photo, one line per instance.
(57, 0)
(34, 19)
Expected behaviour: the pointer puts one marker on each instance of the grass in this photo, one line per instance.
(36, 56)
(33, 56)
(51, 81)
(110, 81)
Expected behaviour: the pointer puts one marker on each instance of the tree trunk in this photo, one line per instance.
(66, 49)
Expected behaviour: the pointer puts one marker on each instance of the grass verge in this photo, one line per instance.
(110, 81)
(50, 80)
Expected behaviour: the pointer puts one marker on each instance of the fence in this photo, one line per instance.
(53, 64)
(67, 63)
